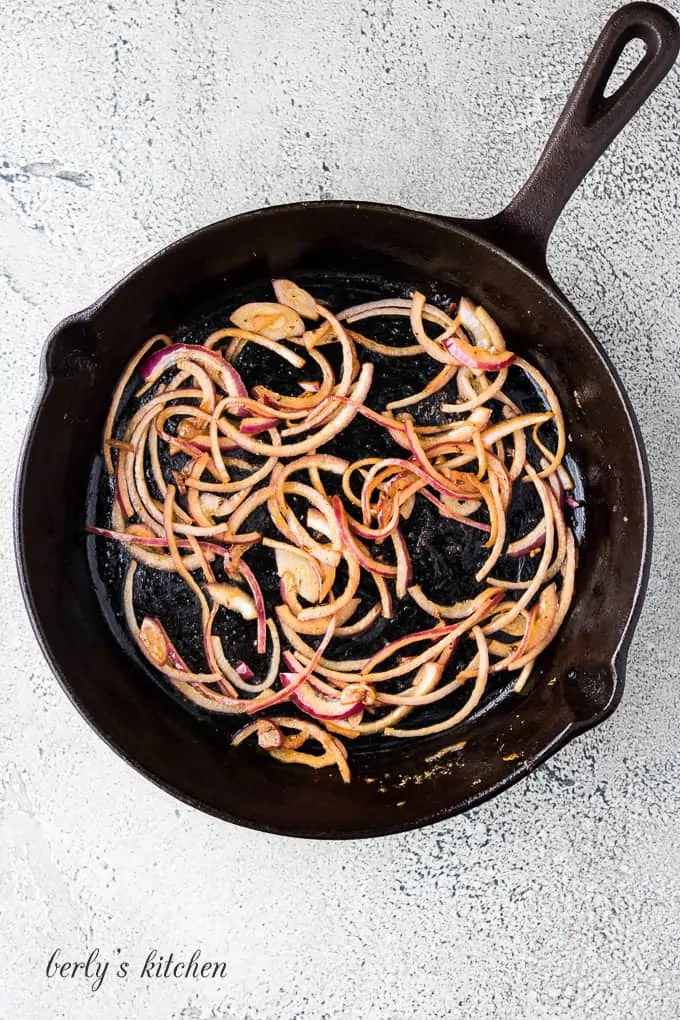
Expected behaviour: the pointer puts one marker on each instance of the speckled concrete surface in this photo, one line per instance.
(125, 124)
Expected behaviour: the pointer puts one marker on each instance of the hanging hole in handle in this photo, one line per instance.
(631, 57)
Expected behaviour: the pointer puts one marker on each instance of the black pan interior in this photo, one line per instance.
(445, 554)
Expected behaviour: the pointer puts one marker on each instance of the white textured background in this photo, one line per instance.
(126, 124)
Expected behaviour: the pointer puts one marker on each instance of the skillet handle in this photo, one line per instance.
(587, 125)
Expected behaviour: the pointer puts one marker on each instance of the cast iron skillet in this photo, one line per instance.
(348, 246)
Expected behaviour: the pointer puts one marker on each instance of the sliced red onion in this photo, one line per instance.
(404, 567)
(454, 611)
(435, 348)
(260, 610)
(315, 627)
(254, 426)
(358, 550)
(340, 422)
(477, 359)
(158, 645)
(471, 703)
(244, 671)
(320, 706)
(234, 598)
(301, 301)
(160, 361)
(510, 425)
(274, 321)
(534, 539)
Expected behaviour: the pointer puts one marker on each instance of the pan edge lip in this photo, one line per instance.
(570, 731)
